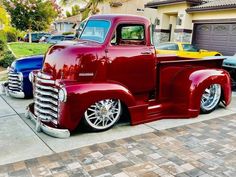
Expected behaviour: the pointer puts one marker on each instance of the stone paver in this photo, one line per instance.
(202, 149)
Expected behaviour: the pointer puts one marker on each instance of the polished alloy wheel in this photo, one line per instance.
(103, 114)
(210, 98)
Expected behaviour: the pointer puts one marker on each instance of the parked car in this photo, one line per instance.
(229, 64)
(184, 50)
(34, 36)
(113, 71)
(18, 84)
(69, 38)
(54, 39)
(44, 38)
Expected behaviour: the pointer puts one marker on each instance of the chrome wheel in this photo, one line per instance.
(210, 98)
(103, 114)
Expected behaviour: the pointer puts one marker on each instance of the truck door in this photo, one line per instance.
(131, 60)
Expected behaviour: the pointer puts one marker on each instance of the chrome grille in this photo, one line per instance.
(14, 82)
(46, 98)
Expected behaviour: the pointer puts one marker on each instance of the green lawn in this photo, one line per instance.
(21, 49)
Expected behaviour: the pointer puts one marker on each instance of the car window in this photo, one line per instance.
(167, 46)
(95, 30)
(135, 32)
(57, 38)
(190, 48)
(129, 34)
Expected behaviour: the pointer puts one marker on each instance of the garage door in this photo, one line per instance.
(219, 37)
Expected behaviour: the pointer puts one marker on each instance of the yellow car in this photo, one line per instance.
(184, 50)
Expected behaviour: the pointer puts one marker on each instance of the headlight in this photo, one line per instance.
(31, 76)
(62, 95)
(21, 77)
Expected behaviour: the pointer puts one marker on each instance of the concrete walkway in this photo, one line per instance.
(19, 141)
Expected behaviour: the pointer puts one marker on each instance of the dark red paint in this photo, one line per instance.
(129, 74)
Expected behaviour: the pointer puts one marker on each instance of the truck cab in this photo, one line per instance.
(113, 71)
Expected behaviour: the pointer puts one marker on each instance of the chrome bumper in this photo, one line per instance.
(8, 92)
(54, 132)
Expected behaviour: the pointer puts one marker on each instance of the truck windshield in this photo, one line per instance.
(95, 30)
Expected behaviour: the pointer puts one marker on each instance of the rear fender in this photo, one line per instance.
(189, 85)
(81, 96)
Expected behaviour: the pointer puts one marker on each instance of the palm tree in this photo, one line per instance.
(91, 6)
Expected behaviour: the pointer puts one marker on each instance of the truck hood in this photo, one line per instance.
(66, 60)
(27, 64)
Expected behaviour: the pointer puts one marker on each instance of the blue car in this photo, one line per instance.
(229, 64)
(18, 84)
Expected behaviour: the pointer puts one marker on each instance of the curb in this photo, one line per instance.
(9, 48)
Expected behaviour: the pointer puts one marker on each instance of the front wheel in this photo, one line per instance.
(103, 114)
(210, 98)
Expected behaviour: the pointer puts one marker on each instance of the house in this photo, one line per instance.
(134, 7)
(209, 24)
(66, 25)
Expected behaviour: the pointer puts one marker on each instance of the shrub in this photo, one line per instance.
(3, 36)
(11, 36)
(7, 59)
(2, 45)
(67, 33)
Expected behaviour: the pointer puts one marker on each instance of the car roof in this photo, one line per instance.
(113, 17)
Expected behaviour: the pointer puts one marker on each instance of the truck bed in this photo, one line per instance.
(212, 62)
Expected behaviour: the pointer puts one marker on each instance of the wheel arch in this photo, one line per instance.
(195, 82)
(81, 96)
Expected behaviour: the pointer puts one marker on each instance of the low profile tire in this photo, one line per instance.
(102, 115)
(210, 98)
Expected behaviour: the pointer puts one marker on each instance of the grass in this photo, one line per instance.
(21, 49)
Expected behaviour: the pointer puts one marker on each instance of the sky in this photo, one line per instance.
(68, 7)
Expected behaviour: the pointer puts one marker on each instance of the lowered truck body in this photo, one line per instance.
(113, 71)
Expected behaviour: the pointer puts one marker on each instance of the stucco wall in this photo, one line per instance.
(210, 15)
(129, 7)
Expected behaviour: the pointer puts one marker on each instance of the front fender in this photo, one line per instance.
(81, 96)
(189, 85)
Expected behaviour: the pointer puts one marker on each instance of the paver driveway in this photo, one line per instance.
(202, 149)
(19, 141)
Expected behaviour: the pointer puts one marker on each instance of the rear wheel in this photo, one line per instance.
(103, 114)
(210, 98)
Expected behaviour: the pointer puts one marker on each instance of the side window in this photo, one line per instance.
(129, 34)
(132, 32)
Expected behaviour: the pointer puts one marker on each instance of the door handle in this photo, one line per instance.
(146, 53)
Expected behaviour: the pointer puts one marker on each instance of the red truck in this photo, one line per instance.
(113, 71)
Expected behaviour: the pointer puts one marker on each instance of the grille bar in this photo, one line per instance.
(14, 82)
(46, 97)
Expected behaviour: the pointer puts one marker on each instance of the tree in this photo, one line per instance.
(4, 19)
(91, 6)
(32, 15)
(75, 10)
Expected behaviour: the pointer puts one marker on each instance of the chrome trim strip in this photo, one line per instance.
(46, 87)
(46, 99)
(16, 94)
(46, 93)
(46, 105)
(14, 82)
(45, 111)
(86, 74)
(45, 81)
(13, 74)
(44, 76)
